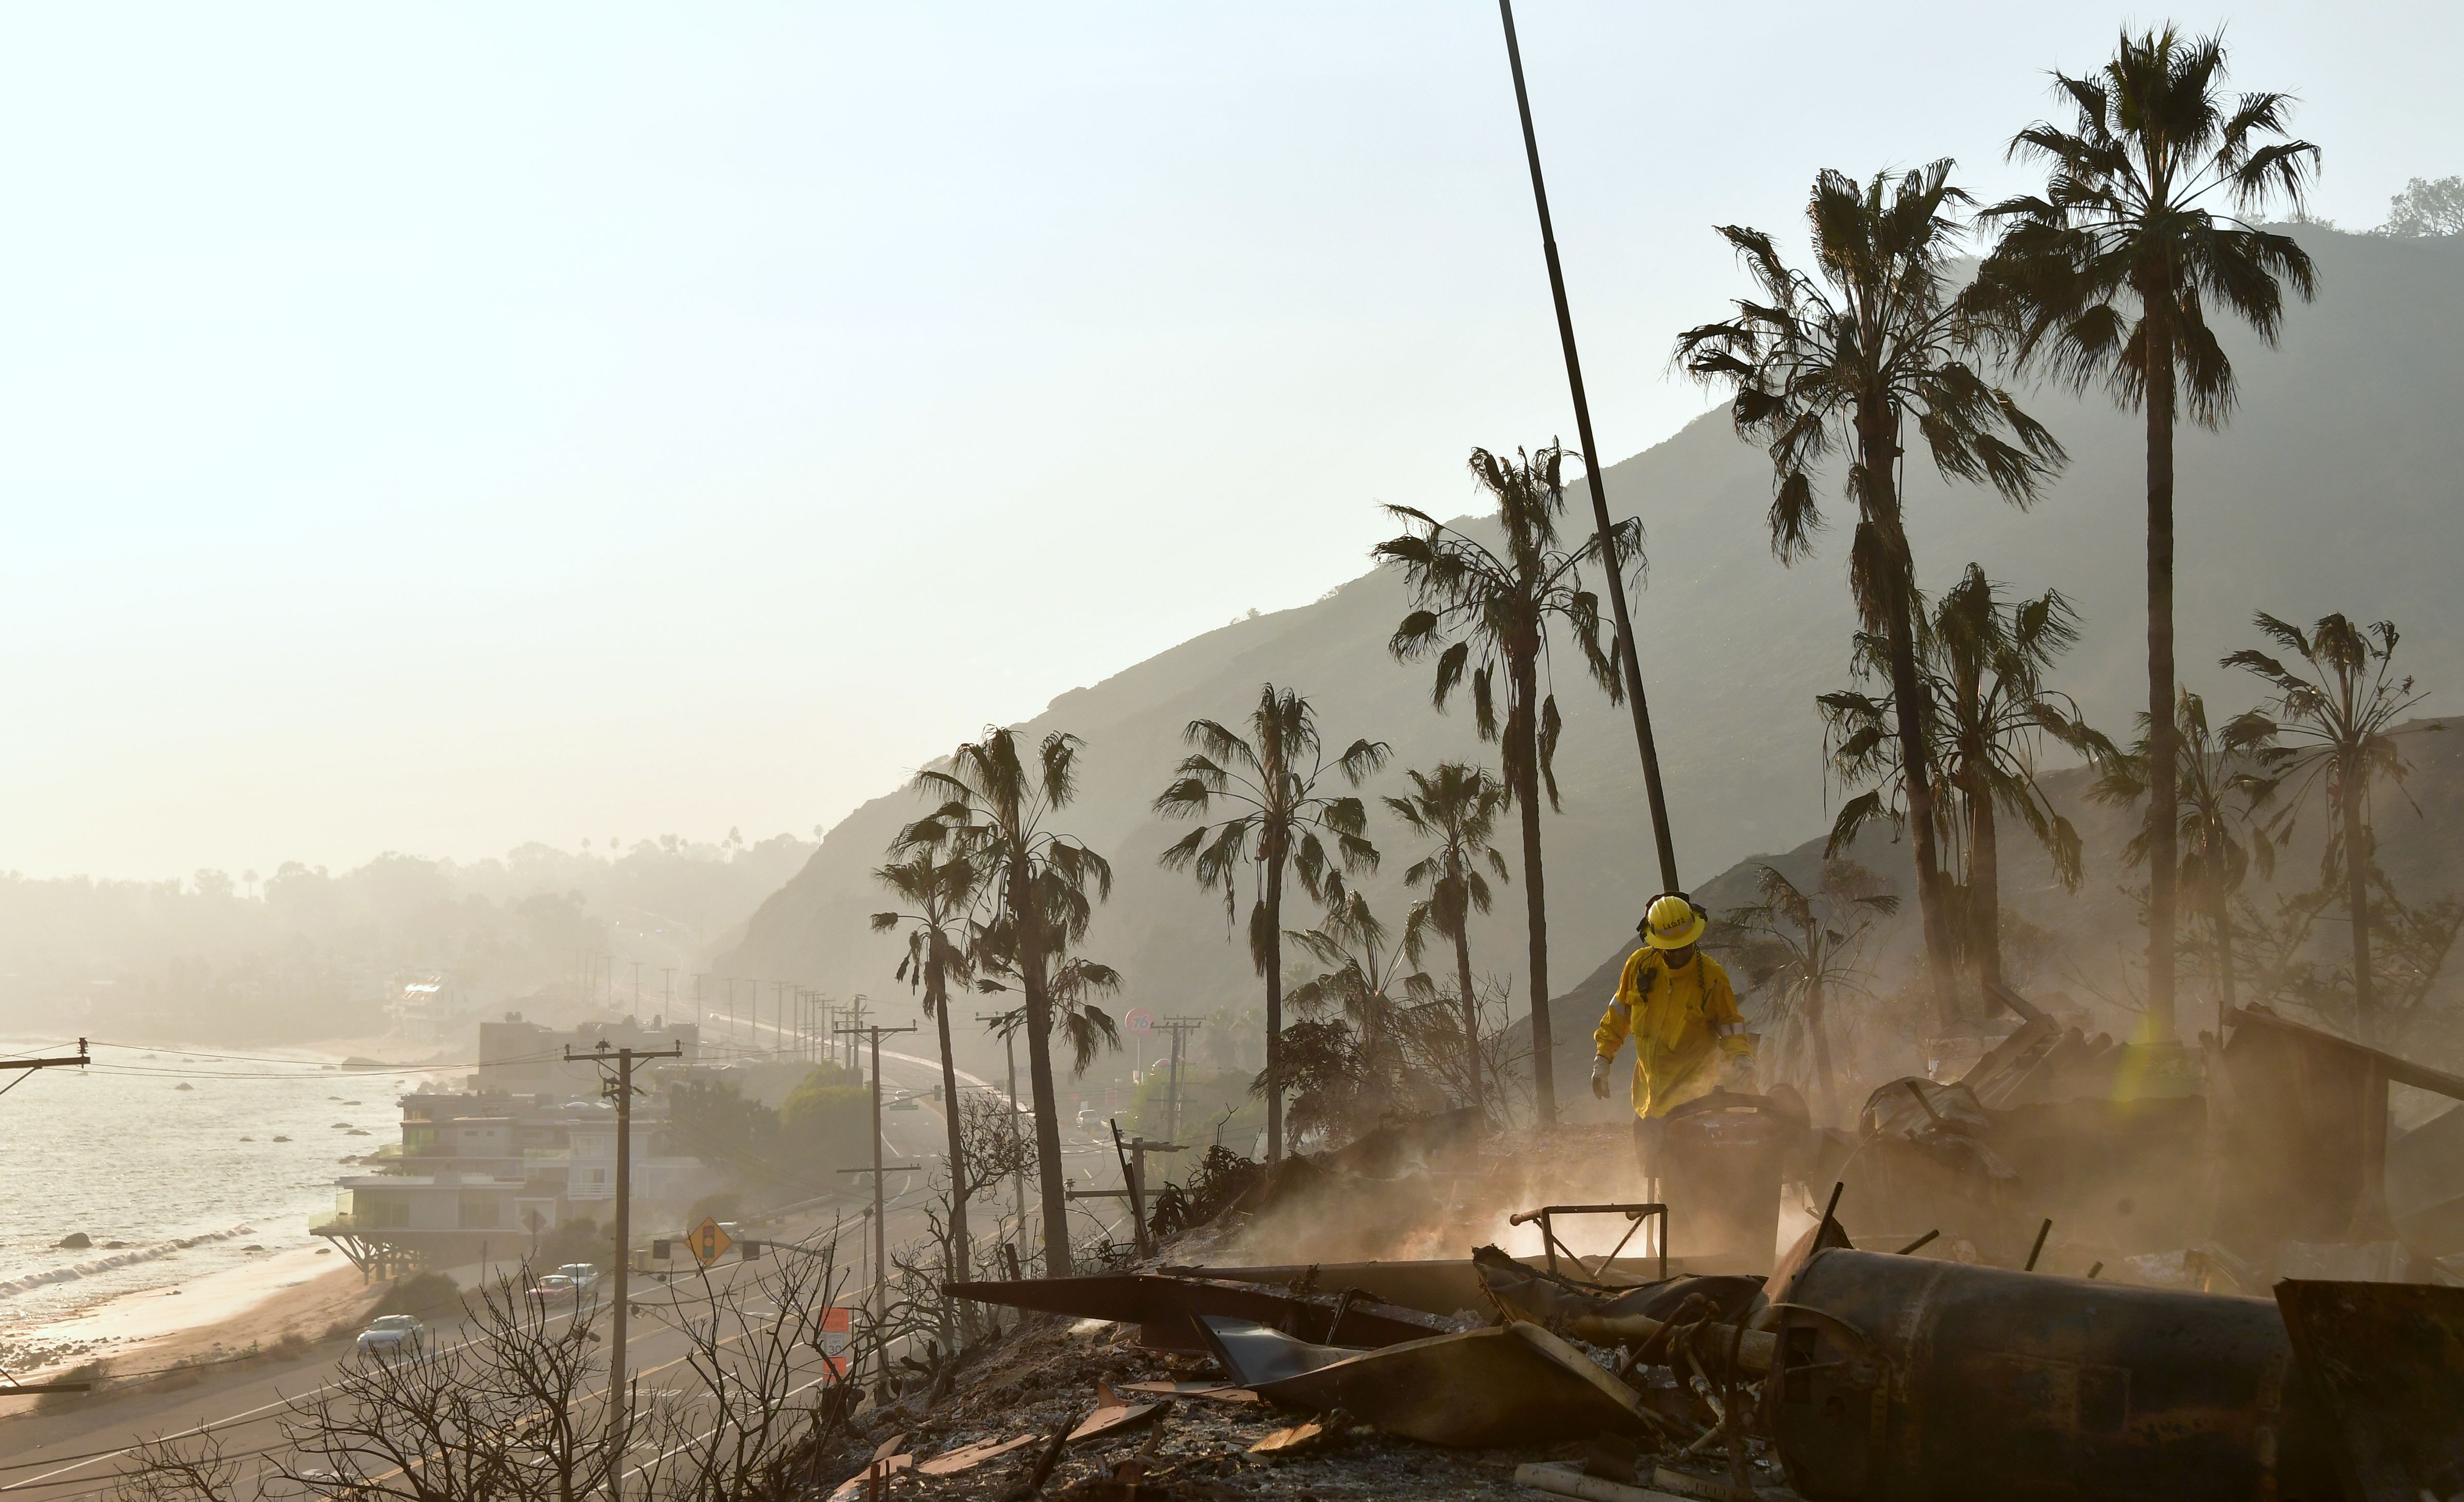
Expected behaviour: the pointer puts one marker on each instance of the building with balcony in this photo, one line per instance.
(478, 1172)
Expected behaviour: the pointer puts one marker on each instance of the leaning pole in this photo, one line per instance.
(1627, 658)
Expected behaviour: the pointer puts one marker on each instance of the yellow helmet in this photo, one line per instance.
(1673, 922)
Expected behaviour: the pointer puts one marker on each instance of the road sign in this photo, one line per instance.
(1137, 1019)
(707, 1242)
(835, 1338)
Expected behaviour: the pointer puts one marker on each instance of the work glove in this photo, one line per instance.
(1600, 1078)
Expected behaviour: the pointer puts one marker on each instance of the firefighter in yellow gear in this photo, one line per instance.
(1678, 1006)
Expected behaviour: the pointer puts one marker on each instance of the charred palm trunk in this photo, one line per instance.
(1910, 706)
(1463, 982)
(936, 1001)
(1984, 882)
(2163, 774)
(1029, 928)
(1826, 1087)
(2357, 904)
(1271, 957)
(2220, 922)
(1522, 741)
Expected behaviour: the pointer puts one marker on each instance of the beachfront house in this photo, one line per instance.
(479, 1174)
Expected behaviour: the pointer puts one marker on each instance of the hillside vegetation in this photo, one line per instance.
(2336, 488)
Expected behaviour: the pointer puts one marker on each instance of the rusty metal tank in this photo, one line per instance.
(1915, 1380)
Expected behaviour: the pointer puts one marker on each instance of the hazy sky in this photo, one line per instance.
(434, 428)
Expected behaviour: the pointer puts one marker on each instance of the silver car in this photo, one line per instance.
(390, 1334)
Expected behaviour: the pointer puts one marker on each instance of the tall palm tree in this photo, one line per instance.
(1271, 780)
(2219, 792)
(994, 806)
(2332, 726)
(1807, 942)
(1841, 361)
(1454, 812)
(2112, 273)
(937, 892)
(1485, 612)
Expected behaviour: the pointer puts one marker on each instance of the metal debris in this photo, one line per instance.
(1164, 1307)
(2387, 1361)
(1253, 1354)
(1899, 1376)
(1514, 1386)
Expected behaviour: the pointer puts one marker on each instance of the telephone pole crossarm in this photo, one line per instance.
(79, 1059)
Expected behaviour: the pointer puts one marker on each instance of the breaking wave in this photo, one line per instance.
(117, 1259)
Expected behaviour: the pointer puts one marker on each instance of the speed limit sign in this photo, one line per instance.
(835, 1338)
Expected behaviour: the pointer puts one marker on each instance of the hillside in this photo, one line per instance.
(2336, 487)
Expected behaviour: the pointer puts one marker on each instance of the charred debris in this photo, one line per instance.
(2082, 1269)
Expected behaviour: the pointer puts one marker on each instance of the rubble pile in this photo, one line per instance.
(2259, 1298)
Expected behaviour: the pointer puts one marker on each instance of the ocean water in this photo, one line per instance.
(186, 1179)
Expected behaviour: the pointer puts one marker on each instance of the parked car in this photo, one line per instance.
(556, 1289)
(390, 1334)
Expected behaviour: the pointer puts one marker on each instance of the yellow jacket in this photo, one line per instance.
(1688, 1021)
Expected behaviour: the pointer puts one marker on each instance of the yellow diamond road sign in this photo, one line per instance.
(709, 1242)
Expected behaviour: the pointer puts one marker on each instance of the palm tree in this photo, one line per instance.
(1983, 674)
(2111, 274)
(1272, 781)
(1361, 973)
(1842, 360)
(995, 810)
(937, 893)
(1806, 941)
(1454, 811)
(2218, 793)
(1473, 604)
(2332, 726)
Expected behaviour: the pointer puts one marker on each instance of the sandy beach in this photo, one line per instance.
(296, 1292)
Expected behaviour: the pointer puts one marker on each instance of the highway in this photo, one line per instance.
(86, 1449)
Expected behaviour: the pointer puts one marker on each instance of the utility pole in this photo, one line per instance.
(1592, 466)
(880, 1231)
(637, 988)
(1018, 1153)
(620, 1085)
(1180, 1027)
(668, 992)
(82, 1058)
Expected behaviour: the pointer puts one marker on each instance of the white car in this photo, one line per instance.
(390, 1334)
(582, 1273)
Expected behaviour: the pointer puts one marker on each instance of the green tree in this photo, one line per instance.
(1487, 613)
(1842, 360)
(1453, 812)
(2427, 208)
(2331, 727)
(2113, 273)
(937, 893)
(2219, 793)
(1804, 944)
(1278, 821)
(1982, 669)
(995, 807)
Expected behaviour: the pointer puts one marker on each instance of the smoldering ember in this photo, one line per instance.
(1585, 1006)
